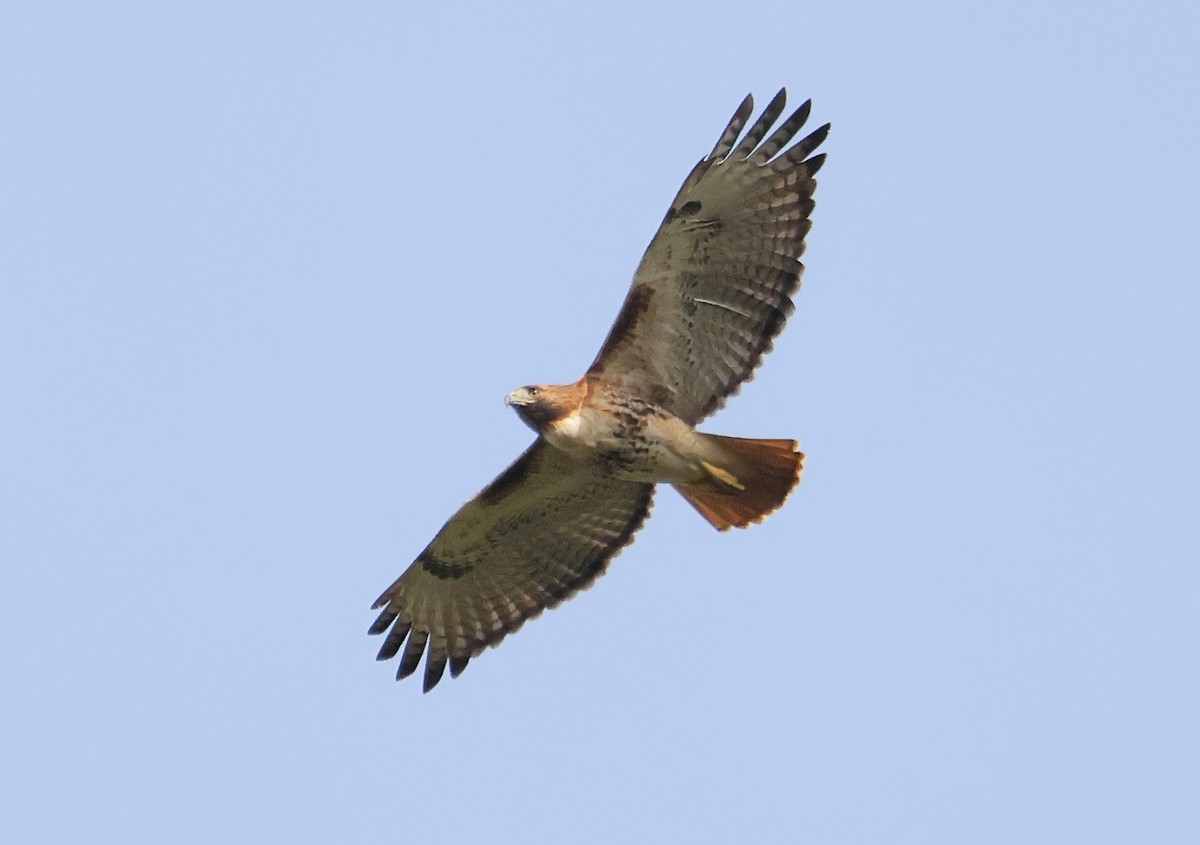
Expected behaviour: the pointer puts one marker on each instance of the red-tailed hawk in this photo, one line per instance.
(710, 294)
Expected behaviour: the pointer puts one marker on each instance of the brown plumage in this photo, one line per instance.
(711, 293)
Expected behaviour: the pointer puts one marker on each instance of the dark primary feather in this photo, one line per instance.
(733, 129)
(759, 130)
(785, 132)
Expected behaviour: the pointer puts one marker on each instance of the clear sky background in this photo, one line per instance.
(268, 270)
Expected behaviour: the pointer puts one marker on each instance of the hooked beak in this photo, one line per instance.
(517, 397)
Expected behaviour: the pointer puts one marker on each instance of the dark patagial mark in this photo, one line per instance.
(685, 210)
(635, 305)
(509, 480)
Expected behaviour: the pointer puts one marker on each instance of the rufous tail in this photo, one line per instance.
(747, 480)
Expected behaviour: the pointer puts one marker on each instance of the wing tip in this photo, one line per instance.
(729, 135)
(458, 664)
(435, 667)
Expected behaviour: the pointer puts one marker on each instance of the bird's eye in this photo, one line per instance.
(533, 391)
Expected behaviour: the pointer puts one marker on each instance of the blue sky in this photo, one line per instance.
(268, 270)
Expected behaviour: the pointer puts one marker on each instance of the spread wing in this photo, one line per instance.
(714, 287)
(543, 530)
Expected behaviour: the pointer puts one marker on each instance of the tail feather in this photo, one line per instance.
(748, 479)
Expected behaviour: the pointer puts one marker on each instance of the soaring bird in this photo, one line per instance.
(711, 293)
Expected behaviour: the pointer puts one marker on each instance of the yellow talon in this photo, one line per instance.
(722, 476)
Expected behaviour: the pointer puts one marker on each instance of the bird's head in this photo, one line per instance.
(530, 404)
(539, 405)
(523, 396)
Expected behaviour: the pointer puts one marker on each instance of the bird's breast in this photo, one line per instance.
(570, 433)
(628, 439)
(596, 429)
